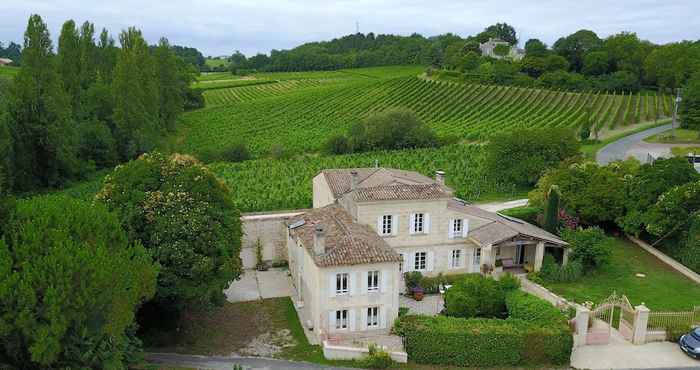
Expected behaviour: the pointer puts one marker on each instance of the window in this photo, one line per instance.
(403, 258)
(477, 256)
(419, 223)
(341, 284)
(372, 317)
(341, 319)
(373, 281)
(387, 225)
(456, 258)
(498, 251)
(457, 228)
(419, 263)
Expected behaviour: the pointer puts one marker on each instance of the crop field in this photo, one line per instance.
(302, 121)
(255, 89)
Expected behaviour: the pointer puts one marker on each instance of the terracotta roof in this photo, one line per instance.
(500, 228)
(346, 242)
(385, 184)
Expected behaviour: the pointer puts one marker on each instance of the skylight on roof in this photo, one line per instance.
(297, 224)
(511, 218)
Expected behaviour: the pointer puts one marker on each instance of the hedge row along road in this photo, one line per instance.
(300, 114)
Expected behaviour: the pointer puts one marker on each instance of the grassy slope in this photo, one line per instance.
(682, 136)
(6, 71)
(662, 288)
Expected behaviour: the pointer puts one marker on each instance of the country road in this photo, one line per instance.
(617, 150)
(226, 363)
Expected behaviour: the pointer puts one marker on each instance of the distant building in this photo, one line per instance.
(488, 49)
(5, 61)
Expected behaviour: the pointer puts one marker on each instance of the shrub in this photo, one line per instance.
(403, 311)
(237, 152)
(431, 285)
(527, 307)
(528, 213)
(338, 144)
(590, 247)
(509, 282)
(391, 129)
(474, 342)
(475, 296)
(412, 279)
(377, 358)
(674, 331)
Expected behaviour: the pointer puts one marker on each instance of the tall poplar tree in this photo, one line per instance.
(40, 116)
(172, 83)
(69, 63)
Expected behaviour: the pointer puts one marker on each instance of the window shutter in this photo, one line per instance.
(451, 229)
(412, 223)
(429, 261)
(384, 276)
(382, 317)
(352, 283)
(331, 321)
(449, 260)
(426, 221)
(395, 225)
(379, 225)
(331, 285)
(463, 260)
(351, 319)
(465, 227)
(363, 318)
(411, 262)
(363, 282)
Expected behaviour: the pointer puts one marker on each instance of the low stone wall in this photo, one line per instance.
(542, 292)
(336, 352)
(690, 274)
(270, 228)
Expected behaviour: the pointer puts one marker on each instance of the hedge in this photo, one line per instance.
(535, 333)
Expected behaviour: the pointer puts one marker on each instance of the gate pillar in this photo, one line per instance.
(641, 319)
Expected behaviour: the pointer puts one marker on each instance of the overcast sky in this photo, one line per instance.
(217, 27)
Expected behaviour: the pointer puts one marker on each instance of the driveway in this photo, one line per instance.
(255, 285)
(659, 355)
(226, 363)
(618, 150)
(500, 206)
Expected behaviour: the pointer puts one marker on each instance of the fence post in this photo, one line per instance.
(582, 316)
(641, 319)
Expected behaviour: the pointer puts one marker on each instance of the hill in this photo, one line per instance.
(301, 113)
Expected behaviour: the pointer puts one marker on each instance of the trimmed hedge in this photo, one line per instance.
(535, 333)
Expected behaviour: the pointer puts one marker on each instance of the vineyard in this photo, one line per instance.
(301, 122)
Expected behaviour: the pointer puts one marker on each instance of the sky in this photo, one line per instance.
(218, 27)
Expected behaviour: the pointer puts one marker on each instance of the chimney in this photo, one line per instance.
(440, 177)
(319, 239)
(354, 180)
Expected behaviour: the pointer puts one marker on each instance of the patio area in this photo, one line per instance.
(431, 304)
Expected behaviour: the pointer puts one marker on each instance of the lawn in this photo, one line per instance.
(681, 136)
(662, 288)
(591, 149)
(685, 150)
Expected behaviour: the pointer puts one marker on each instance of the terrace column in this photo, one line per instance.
(641, 319)
(487, 256)
(539, 256)
(582, 316)
(565, 257)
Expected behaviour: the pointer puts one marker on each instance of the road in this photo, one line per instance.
(617, 150)
(226, 363)
(500, 206)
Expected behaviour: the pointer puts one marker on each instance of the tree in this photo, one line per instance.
(650, 182)
(551, 212)
(673, 213)
(184, 215)
(690, 105)
(535, 48)
(596, 63)
(135, 94)
(502, 31)
(590, 247)
(68, 59)
(39, 115)
(469, 62)
(626, 52)
(172, 83)
(576, 45)
(521, 156)
(555, 63)
(388, 130)
(671, 65)
(70, 282)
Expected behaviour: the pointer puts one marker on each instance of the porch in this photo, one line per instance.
(521, 256)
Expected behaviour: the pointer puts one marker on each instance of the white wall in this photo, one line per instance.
(322, 192)
(271, 229)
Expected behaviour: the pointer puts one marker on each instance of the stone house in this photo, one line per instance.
(488, 50)
(368, 226)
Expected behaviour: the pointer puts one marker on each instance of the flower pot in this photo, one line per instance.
(418, 294)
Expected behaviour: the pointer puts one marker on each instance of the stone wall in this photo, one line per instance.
(271, 229)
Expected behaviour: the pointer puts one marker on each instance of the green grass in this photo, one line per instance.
(215, 62)
(682, 151)
(7, 71)
(679, 136)
(662, 289)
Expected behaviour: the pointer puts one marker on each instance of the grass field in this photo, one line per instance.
(215, 62)
(6, 71)
(303, 115)
(662, 288)
(683, 151)
(680, 136)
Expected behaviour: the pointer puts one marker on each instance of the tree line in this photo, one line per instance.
(90, 104)
(11, 51)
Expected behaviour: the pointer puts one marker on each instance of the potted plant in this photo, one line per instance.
(499, 267)
(417, 292)
(486, 269)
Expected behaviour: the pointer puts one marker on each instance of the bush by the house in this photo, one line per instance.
(475, 296)
(527, 307)
(554, 272)
(528, 213)
(509, 282)
(590, 247)
(480, 342)
(431, 285)
(377, 358)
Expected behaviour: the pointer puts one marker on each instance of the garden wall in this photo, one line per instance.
(271, 229)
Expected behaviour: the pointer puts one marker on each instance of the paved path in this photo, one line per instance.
(254, 285)
(226, 363)
(617, 150)
(659, 355)
(499, 206)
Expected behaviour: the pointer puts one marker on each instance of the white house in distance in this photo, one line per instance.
(369, 225)
(488, 49)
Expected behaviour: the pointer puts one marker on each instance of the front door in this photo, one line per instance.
(519, 254)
